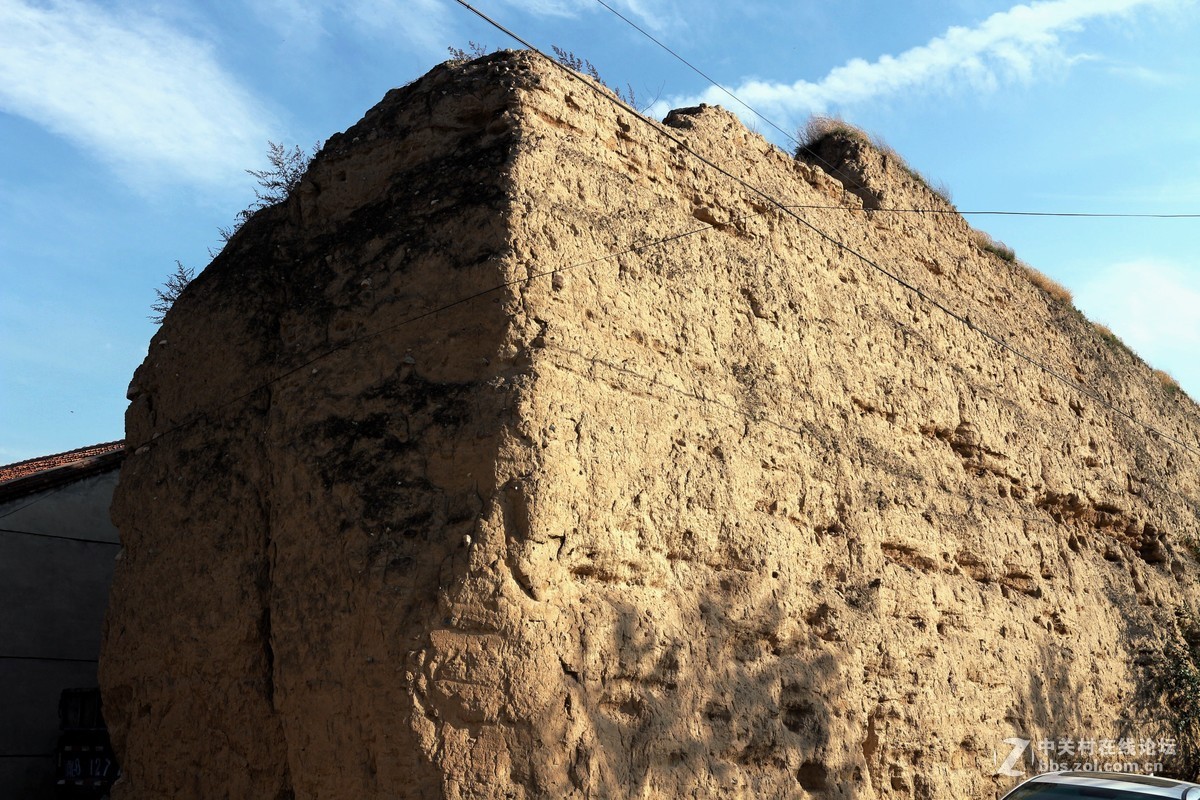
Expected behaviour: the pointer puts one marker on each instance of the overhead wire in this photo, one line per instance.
(773, 201)
(795, 427)
(42, 496)
(81, 540)
(702, 74)
(468, 298)
(716, 84)
(637, 248)
(812, 154)
(55, 659)
(955, 211)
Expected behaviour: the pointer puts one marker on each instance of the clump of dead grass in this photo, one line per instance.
(819, 128)
(1167, 381)
(473, 50)
(1114, 342)
(1047, 284)
(1000, 250)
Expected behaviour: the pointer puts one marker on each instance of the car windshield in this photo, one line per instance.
(1066, 791)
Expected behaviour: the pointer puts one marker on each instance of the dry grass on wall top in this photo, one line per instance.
(1114, 342)
(1046, 283)
(1000, 250)
(818, 128)
(1106, 333)
(1117, 345)
(1167, 381)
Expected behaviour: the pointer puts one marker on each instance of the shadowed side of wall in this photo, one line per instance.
(315, 448)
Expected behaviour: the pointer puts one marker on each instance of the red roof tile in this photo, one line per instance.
(32, 466)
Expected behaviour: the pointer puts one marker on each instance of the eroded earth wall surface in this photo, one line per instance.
(522, 454)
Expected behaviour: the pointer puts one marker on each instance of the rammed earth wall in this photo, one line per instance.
(733, 515)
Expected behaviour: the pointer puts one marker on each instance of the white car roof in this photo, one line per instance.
(1150, 785)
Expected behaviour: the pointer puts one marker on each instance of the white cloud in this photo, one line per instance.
(1152, 306)
(1141, 74)
(1012, 45)
(146, 98)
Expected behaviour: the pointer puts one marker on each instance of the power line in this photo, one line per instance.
(1081, 214)
(792, 426)
(197, 416)
(729, 92)
(798, 143)
(922, 294)
(50, 658)
(697, 70)
(953, 211)
(636, 248)
(58, 536)
(776, 205)
(42, 496)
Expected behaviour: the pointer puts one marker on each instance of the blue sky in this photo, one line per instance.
(127, 128)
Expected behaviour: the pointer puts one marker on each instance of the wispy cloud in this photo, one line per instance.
(1141, 74)
(1012, 45)
(1152, 306)
(148, 99)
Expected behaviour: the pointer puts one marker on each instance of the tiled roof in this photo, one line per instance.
(33, 466)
